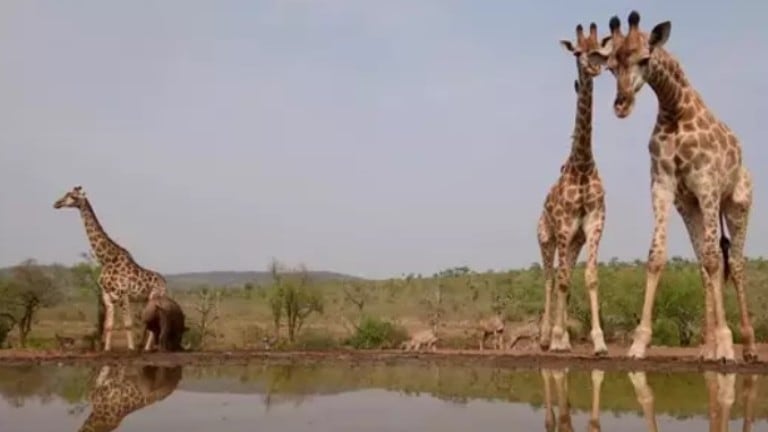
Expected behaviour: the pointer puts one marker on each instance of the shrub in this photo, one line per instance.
(666, 332)
(312, 340)
(373, 333)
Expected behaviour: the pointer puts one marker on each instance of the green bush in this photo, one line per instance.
(666, 332)
(374, 333)
(312, 340)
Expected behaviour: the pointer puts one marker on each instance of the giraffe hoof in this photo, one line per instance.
(750, 357)
(601, 353)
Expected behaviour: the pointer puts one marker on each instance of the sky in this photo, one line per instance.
(366, 137)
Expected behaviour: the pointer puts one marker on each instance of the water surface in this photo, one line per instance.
(340, 397)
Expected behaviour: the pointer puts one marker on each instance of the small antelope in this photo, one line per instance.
(493, 326)
(428, 338)
(65, 342)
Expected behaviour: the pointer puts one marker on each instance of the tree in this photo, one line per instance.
(293, 295)
(29, 289)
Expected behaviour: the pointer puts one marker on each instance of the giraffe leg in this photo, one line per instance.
(692, 219)
(568, 236)
(109, 320)
(593, 232)
(749, 394)
(644, 396)
(712, 261)
(736, 210)
(547, 246)
(125, 306)
(662, 193)
(597, 385)
(563, 404)
(549, 414)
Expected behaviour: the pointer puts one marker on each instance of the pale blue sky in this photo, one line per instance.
(367, 137)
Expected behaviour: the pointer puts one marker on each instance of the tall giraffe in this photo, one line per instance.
(696, 163)
(123, 390)
(122, 280)
(574, 210)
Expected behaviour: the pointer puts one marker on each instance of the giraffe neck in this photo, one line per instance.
(105, 249)
(675, 94)
(581, 147)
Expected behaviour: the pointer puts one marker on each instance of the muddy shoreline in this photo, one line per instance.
(659, 359)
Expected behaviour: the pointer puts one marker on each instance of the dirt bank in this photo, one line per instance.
(659, 358)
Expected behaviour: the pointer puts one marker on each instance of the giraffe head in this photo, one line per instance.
(628, 58)
(581, 47)
(74, 199)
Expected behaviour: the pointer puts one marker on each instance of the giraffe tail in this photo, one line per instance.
(725, 246)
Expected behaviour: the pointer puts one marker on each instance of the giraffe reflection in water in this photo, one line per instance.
(564, 423)
(721, 389)
(121, 390)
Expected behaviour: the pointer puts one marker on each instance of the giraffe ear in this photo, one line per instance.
(567, 45)
(659, 35)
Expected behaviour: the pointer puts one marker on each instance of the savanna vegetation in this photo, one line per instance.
(297, 308)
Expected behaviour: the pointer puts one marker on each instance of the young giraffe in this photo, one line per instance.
(574, 210)
(121, 391)
(122, 280)
(696, 163)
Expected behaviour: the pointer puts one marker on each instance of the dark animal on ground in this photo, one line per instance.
(163, 322)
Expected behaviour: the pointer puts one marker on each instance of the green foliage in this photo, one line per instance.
(30, 288)
(374, 333)
(313, 340)
(294, 296)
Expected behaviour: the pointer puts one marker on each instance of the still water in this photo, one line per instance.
(347, 397)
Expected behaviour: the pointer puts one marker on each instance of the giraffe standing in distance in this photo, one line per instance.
(122, 280)
(574, 210)
(696, 164)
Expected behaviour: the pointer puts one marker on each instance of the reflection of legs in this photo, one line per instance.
(695, 227)
(549, 414)
(594, 231)
(749, 394)
(547, 247)
(563, 405)
(594, 416)
(102, 377)
(736, 211)
(644, 396)
(662, 193)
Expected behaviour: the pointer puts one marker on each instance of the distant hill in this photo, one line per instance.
(216, 279)
(240, 278)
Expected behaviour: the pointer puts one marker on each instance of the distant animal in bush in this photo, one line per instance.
(428, 338)
(65, 342)
(163, 324)
(493, 326)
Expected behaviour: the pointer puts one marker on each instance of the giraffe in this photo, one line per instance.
(696, 164)
(122, 280)
(564, 422)
(721, 390)
(574, 211)
(121, 391)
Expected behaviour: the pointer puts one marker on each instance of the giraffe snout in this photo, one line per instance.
(622, 105)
